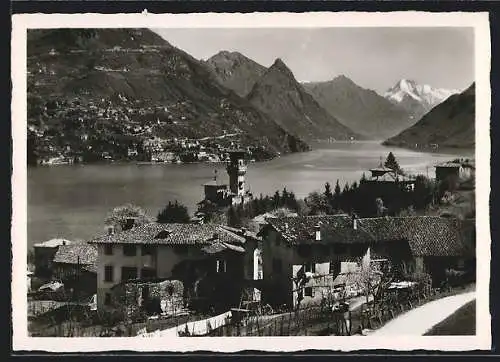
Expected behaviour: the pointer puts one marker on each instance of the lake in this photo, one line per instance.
(71, 201)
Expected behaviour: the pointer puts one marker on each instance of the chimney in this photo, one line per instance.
(318, 232)
(354, 222)
(129, 224)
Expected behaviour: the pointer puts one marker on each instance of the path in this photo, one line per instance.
(419, 320)
(195, 328)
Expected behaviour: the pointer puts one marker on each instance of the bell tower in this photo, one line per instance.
(236, 169)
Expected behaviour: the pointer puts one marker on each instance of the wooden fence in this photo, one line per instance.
(294, 323)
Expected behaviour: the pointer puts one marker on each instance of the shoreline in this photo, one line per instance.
(442, 150)
(448, 151)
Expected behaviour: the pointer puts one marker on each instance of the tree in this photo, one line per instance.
(345, 198)
(316, 203)
(328, 191)
(233, 219)
(423, 192)
(119, 215)
(337, 192)
(372, 279)
(173, 213)
(277, 199)
(381, 209)
(392, 163)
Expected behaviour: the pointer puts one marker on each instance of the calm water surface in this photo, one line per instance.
(72, 201)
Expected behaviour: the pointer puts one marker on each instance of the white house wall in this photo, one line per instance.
(164, 260)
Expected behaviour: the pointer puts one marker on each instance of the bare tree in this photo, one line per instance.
(119, 215)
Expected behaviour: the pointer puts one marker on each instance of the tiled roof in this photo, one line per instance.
(242, 232)
(449, 164)
(69, 254)
(298, 229)
(91, 268)
(172, 234)
(426, 235)
(52, 243)
(391, 177)
(218, 247)
(381, 169)
(215, 183)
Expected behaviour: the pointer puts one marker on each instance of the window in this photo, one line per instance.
(308, 292)
(108, 249)
(107, 299)
(108, 273)
(148, 250)
(334, 267)
(277, 265)
(129, 250)
(129, 273)
(221, 266)
(310, 267)
(148, 273)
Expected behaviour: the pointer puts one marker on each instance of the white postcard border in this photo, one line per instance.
(22, 22)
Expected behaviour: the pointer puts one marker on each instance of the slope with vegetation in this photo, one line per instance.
(235, 71)
(107, 90)
(278, 94)
(450, 124)
(362, 110)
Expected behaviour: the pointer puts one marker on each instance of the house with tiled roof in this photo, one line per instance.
(76, 265)
(385, 179)
(328, 246)
(44, 255)
(451, 171)
(185, 252)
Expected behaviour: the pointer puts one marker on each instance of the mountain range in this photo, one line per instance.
(235, 71)
(362, 110)
(417, 99)
(129, 78)
(278, 94)
(449, 124)
(107, 89)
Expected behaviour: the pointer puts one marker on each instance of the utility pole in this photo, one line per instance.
(77, 282)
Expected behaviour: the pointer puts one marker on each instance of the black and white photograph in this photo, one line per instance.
(251, 175)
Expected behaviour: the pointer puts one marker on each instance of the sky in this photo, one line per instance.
(374, 58)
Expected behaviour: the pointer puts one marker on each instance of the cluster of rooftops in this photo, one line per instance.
(425, 235)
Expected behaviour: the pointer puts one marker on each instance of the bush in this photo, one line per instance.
(173, 213)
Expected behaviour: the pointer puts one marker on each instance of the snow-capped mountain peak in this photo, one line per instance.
(408, 93)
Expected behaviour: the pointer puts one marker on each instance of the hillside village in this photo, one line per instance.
(88, 102)
(154, 277)
(92, 133)
(343, 261)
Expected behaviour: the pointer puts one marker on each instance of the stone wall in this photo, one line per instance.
(149, 297)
